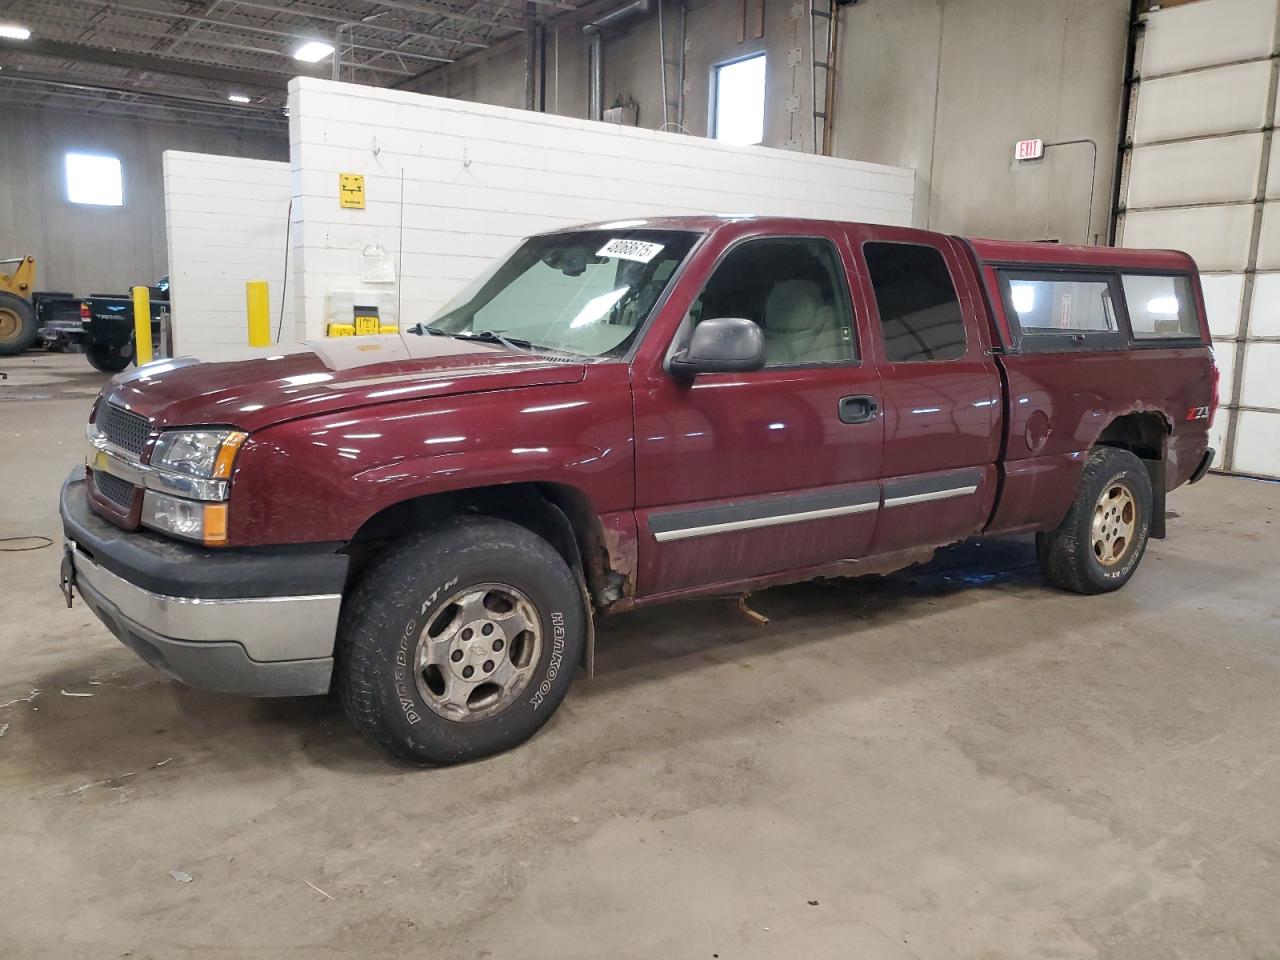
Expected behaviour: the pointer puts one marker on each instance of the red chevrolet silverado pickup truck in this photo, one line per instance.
(618, 415)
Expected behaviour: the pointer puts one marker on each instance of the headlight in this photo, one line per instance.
(197, 464)
(190, 519)
(207, 454)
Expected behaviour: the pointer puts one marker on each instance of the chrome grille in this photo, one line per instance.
(126, 430)
(119, 492)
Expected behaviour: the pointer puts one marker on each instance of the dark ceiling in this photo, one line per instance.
(182, 59)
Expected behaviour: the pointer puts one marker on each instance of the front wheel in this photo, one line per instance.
(460, 642)
(1100, 542)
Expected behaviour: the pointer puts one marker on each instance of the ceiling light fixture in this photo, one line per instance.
(14, 31)
(313, 51)
(239, 98)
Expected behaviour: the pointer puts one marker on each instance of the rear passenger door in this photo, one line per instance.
(940, 385)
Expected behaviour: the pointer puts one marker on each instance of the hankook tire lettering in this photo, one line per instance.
(557, 655)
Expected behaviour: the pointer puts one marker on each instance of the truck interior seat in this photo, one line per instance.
(798, 327)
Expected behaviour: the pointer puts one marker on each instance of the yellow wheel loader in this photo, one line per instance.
(17, 313)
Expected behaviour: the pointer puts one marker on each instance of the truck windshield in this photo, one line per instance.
(586, 292)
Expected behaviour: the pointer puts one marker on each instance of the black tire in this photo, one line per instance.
(409, 590)
(1071, 556)
(109, 359)
(17, 324)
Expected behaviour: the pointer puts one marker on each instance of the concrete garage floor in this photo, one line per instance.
(957, 761)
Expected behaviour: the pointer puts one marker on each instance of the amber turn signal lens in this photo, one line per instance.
(215, 524)
(227, 454)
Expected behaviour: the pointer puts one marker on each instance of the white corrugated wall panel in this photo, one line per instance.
(1269, 238)
(1222, 100)
(1224, 352)
(1260, 387)
(1264, 321)
(1213, 170)
(1223, 293)
(1257, 448)
(1207, 33)
(1206, 74)
(1218, 237)
(1218, 438)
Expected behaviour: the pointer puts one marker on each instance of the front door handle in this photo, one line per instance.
(859, 409)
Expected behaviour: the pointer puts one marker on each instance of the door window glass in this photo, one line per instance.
(794, 290)
(920, 314)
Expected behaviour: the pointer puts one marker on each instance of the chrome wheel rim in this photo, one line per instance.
(477, 654)
(1115, 523)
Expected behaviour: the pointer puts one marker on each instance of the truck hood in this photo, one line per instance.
(325, 376)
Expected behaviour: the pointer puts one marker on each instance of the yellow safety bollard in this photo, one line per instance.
(259, 306)
(142, 325)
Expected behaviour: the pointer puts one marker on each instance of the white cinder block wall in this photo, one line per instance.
(226, 220)
(478, 178)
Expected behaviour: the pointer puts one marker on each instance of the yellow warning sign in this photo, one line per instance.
(351, 190)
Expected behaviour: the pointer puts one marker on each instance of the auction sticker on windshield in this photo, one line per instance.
(637, 250)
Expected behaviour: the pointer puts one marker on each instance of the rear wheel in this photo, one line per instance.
(17, 324)
(107, 358)
(460, 642)
(1100, 542)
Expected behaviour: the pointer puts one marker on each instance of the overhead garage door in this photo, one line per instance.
(1201, 176)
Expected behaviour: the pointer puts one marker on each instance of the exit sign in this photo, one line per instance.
(1028, 150)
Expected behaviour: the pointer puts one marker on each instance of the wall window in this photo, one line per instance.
(793, 288)
(1160, 307)
(95, 179)
(919, 312)
(737, 109)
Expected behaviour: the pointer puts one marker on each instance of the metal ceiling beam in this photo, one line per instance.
(502, 17)
(192, 111)
(104, 33)
(104, 88)
(136, 81)
(403, 26)
(82, 105)
(144, 61)
(500, 14)
(299, 33)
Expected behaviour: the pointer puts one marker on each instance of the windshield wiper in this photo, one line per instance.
(488, 336)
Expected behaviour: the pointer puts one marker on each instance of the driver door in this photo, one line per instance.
(744, 475)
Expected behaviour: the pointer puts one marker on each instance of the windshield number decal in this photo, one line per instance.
(637, 250)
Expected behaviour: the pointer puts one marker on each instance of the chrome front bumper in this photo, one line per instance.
(270, 645)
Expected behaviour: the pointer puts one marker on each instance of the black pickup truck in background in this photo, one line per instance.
(101, 325)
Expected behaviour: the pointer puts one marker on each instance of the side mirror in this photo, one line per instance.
(722, 345)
